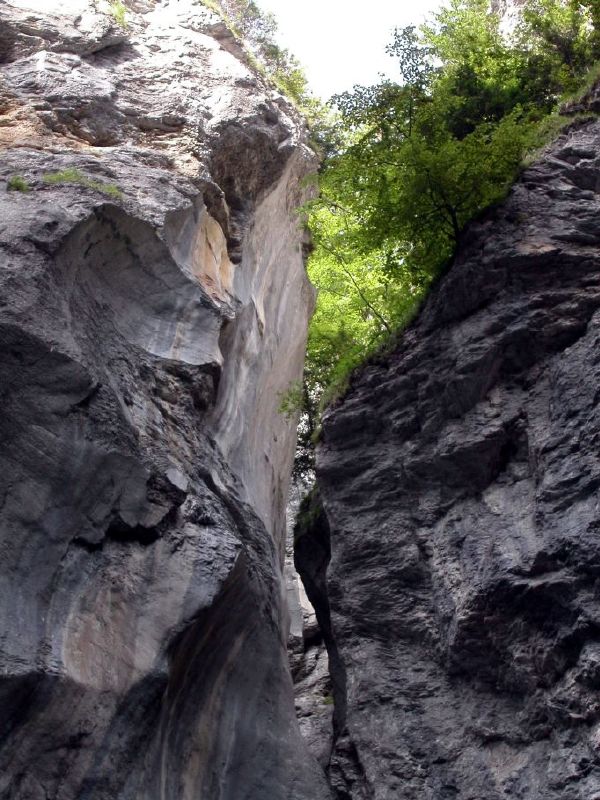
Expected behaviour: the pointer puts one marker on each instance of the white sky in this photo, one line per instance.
(342, 42)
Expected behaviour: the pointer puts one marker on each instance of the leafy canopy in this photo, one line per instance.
(419, 158)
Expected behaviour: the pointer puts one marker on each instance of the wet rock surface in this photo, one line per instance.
(153, 305)
(460, 482)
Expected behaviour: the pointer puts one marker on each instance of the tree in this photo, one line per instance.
(421, 157)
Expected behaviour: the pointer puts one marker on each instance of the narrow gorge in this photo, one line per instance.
(154, 306)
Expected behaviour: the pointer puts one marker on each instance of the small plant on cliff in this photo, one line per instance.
(72, 175)
(16, 183)
(119, 12)
(291, 401)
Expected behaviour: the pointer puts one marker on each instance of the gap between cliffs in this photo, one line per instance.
(312, 554)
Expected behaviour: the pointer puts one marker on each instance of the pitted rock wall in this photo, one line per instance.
(460, 480)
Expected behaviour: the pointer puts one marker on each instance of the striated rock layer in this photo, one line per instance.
(153, 305)
(460, 480)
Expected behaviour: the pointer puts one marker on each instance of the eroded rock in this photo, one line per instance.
(153, 305)
(460, 481)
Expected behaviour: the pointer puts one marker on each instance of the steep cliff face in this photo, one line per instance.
(460, 481)
(153, 303)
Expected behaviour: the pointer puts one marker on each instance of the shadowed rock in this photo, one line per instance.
(460, 480)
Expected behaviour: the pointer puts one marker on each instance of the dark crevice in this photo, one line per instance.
(508, 451)
(120, 531)
(163, 497)
(117, 49)
(347, 775)
(90, 396)
(312, 638)
(92, 546)
(312, 554)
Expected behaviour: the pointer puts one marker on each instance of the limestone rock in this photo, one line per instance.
(460, 481)
(153, 305)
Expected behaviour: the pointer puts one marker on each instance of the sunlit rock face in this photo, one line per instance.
(460, 481)
(153, 306)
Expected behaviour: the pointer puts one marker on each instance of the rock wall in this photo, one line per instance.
(153, 304)
(460, 481)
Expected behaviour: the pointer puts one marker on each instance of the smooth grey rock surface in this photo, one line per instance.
(153, 305)
(460, 479)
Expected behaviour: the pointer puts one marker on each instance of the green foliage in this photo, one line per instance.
(72, 175)
(119, 12)
(111, 189)
(291, 401)
(17, 183)
(589, 80)
(420, 158)
(360, 301)
(565, 34)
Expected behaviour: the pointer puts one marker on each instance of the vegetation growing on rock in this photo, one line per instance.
(119, 12)
(422, 157)
(72, 175)
(17, 183)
